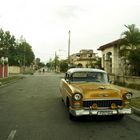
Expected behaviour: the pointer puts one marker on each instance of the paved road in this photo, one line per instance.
(31, 109)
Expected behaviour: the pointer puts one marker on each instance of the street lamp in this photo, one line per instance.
(55, 61)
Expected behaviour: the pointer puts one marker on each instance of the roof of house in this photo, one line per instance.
(108, 45)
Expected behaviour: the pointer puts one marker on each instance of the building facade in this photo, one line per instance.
(117, 67)
(85, 58)
(111, 61)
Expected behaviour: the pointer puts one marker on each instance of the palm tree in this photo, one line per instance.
(130, 42)
(131, 37)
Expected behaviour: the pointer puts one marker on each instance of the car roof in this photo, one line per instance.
(72, 70)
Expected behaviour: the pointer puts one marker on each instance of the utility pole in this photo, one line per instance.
(55, 61)
(69, 48)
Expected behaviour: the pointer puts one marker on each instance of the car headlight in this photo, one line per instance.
(128, 95)
(77, 96)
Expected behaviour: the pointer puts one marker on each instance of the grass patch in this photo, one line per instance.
(135, 102)
(30, 73)
(132, 86)
(10, 79)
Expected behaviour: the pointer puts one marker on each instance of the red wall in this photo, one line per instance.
(5, 71)
(0, 71)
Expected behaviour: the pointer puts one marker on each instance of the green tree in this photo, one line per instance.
(25, 54)
(41, 64)
(129, 44)
(98, 63)
(56, 62)
(63, 66)
(131, 37)
(50, 64)
(7, 44)
(134, 59)
(18, 53)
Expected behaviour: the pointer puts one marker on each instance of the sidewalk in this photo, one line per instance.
(136, 93)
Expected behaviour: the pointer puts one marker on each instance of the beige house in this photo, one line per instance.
(111, 62)
(85, 58)
(117, 68)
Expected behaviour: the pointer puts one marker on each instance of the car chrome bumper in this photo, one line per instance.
(100, 112)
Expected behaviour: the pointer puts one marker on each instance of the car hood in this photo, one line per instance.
(97, 90)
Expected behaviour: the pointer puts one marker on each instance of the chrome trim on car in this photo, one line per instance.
(102, 103)
(82, 112)
(101, 99)
(72, 70)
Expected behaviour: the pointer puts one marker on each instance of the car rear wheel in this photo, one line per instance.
(67, 103)
(62, 100)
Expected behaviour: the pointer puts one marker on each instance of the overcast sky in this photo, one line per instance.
(45, 23)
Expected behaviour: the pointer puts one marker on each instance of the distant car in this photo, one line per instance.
(87, 91)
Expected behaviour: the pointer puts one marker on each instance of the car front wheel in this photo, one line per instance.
(71, 117)
(119, 117)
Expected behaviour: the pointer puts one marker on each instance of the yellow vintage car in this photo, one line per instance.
(87, 91)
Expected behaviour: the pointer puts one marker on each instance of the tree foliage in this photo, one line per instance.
(131, 37)
(54, 64)
(18, 52)
(134, 59)
(63, 66)
(25, 53)
(130, 47)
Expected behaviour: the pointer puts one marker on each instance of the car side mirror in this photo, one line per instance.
(68, 81)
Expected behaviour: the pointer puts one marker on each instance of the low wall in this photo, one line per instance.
(14, 69)
(124, 79)
(18, 70)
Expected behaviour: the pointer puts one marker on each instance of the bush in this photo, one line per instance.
(31, 73)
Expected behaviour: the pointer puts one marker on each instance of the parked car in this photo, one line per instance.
(87, 91)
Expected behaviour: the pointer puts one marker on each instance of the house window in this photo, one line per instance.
(89, 55)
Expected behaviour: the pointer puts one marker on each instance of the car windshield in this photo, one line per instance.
(89, 77)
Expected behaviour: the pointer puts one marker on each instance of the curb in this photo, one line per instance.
(136, 110)
(9, 82)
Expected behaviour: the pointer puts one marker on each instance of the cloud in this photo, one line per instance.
(68, 12)
(45, 24)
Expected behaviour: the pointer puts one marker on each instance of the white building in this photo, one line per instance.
(111, 61)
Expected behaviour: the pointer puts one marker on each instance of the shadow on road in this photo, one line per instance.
(97, 119)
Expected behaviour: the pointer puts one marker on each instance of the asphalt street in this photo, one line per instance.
(31, 109)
